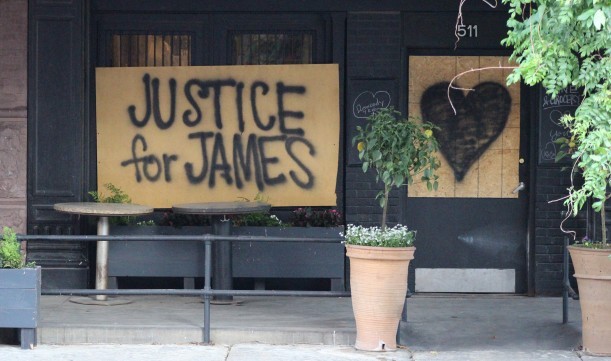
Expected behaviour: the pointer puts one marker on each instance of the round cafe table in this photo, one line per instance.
(221, 225)
(103, 211)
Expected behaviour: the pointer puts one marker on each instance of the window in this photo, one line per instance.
(271, 48)
(138, 49)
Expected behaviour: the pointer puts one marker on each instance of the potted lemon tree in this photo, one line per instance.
(19, 290)
(560, 44)
(401, 151)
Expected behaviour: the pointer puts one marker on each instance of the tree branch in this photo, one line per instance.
(459, 19)
(451, 86)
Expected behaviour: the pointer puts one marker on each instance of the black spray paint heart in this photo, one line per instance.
(480, 118)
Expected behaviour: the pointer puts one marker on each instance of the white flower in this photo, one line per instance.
(397, 236)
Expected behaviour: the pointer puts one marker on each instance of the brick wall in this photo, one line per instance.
(373, 52)
(552, 184)
(13, 113)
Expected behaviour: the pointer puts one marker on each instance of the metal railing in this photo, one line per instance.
(207, 292)
(567, 290)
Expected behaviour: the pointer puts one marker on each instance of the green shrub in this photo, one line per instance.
(117, 195)
(10, 252)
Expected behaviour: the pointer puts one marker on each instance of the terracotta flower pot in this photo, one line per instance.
(378, 282)
(593, 274)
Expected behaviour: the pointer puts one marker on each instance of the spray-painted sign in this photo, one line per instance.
(169, 135)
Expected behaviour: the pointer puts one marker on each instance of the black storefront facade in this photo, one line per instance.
(385, 51)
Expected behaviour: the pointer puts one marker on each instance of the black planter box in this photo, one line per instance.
(250, 259)
(156, 258)
(20, 302)
(290, 259)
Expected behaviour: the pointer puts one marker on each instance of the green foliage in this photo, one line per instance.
(148, 222)
(400, 150)
(258, 219)
(587, 243)
(182, 220)
(117, 195)
(568, 43)
(308, 217)
(10, 253)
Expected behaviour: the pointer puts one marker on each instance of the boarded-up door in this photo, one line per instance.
(472, 231)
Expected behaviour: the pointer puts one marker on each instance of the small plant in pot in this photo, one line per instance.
(401, 151)
(20, 286)
(560, 44)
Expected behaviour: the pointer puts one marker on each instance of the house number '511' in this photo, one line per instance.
(469, 31)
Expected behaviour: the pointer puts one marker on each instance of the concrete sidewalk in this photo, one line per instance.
(264, 352)
(435, 323)
(463, 327)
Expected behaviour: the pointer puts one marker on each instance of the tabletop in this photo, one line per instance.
(221, 208)
(103, 209)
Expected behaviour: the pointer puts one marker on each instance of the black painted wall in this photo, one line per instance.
(373, 58)
(369, 39)
(549, 239)
(57, 136)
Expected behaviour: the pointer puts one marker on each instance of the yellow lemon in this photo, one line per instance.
(428, 133)
(360, 146)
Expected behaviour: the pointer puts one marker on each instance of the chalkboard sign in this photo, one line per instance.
(365, 97)
(550, 129)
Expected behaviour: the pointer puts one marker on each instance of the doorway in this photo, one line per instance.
(472, 230)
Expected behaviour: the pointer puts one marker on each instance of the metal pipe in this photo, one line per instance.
(221, 277)
(202, 292)
(203, 237)
(101, 263)
(565, 282)
(207, 269)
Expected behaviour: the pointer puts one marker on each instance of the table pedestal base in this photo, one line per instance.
(222, 278)
(226, 302)
(104, 211)
(109, 301)
(221, 250)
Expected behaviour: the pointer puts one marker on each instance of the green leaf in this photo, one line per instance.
(585, 15)
(386, 177)
(599, 19)
(559, 156)
(382, 202)
(398, 179)
(597, 206)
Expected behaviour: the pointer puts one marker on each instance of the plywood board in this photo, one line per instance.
(494, 171)
(169, 135)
